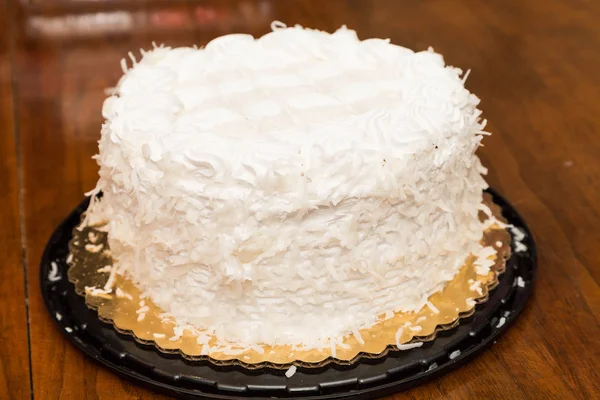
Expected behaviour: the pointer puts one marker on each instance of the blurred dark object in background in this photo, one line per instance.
(66, 20)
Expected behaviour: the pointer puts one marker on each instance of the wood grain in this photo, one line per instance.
(535, 65)
(14, 348)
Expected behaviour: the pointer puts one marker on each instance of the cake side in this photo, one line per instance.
(290, 189)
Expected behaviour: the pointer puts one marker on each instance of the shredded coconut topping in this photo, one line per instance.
(292, 188)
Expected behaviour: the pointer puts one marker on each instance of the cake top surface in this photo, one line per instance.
(242, 107)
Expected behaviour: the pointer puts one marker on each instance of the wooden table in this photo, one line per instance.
(535, 64)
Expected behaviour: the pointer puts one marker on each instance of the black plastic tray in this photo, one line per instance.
(367, 378)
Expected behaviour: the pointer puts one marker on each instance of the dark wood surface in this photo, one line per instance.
(535, 64)
(14, 355)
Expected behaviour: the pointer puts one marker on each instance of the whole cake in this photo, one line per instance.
(290, 189)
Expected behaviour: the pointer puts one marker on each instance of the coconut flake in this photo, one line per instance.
(124, 65)
(92, 237)
(501, 322)
(178, 333)
(409, 346)
(94, 248)
(53, 275)
(454, 354)
(485, 260)
(517, 233)
(98, 292)
(121, 294)
(332, 344)
(433, 308)
(107, 268)
(520, 247)
(111, 280)
(476, 287)
(258, 349)
(520, 282)
(358, 336)
(202, 338)
(399, 333)
(290, 372)
(343, 345)
(277, 25)
(143, 309)
(205, 350)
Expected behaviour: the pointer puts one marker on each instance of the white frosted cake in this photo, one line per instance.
(290, 189)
